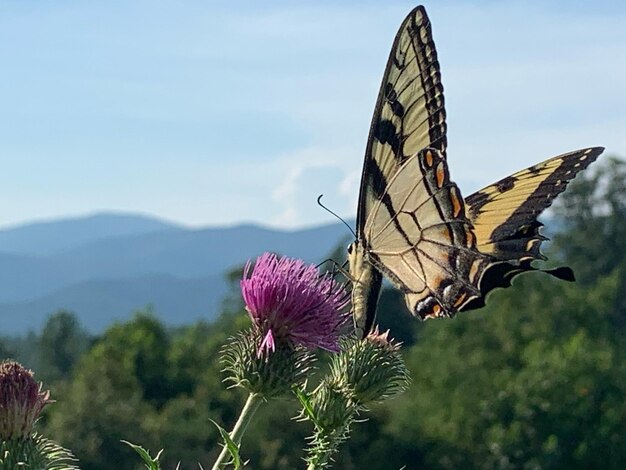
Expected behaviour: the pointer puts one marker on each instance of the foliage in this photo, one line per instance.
(4, 350)
(536, 379)
(61, 344)
(593, 215)
(152, 463)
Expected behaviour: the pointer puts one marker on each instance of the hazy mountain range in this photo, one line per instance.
(105, 266)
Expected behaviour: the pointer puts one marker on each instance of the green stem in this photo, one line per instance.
(324, 449)
(319, 463)
(248, 411)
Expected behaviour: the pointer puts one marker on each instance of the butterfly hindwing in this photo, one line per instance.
(417, 234)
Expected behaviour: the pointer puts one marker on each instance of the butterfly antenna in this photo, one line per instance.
(319, 203)
(331, 287)
(337, 268)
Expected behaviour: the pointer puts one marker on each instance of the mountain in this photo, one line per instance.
(133, 261)
(49, 237)
(99, 303)
(192, 253)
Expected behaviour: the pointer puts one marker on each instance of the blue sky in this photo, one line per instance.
(213, 113)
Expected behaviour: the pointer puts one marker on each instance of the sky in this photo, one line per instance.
(214, 113)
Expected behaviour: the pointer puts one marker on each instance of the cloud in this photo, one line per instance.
(309, 173)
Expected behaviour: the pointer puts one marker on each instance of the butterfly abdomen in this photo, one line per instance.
(366, 284)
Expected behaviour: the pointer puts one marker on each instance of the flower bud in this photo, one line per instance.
(269, 374)
(21, 401)
(372, 368)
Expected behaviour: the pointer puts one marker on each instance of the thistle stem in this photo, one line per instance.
(319, 462)
(247, 413)
(324, 448)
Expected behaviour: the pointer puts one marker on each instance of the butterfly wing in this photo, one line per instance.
(419, 236)
(504, 216)
(409, 114)
(446, 254)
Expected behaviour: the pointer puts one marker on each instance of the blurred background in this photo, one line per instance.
(150, 148)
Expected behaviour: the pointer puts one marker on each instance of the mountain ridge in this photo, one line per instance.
(105, 276)
(45, 237)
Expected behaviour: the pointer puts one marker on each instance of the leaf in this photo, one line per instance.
(305, 401)
(233, 449)
(151, 463)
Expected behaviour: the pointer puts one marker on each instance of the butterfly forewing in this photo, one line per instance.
(409, 114)
(506, 210)
(504, 216)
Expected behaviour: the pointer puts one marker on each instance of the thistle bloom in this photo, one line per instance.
(289, 301)
(293, 309)
(21, 401)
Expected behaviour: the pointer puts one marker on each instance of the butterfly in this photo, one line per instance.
(444, 252)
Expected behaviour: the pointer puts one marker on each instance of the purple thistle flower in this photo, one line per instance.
(289, 301)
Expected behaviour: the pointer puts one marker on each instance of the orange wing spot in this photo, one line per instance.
(441, 175)
(429, 158)
(456, 203)
(470, 239)
(437, 280)
(460, 300)
(434, 312)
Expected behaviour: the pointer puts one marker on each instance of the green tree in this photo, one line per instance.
(4, 350)
(537, 378)
(393, 315)
(114, 394)
(148, 386)
(61, 344)
(593, 215)
(183, 425)
(531, 381)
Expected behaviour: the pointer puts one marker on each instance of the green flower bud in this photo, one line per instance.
(268, 374)
(372, 368)
(333, 406)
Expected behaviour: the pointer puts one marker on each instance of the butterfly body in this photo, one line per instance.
(366, 286)
(444, 252)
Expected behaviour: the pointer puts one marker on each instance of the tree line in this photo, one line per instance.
(536, 379)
